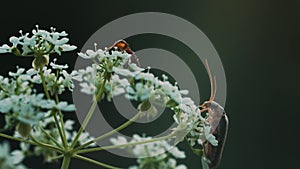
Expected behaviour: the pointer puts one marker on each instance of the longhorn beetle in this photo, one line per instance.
(122, 45)
(218, 121)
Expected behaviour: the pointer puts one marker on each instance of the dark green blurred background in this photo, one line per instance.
(257, 41)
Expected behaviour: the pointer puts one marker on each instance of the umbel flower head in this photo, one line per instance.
(40, 44)
(141, 85)
(158, 154)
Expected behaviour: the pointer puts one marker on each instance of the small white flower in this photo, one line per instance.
(119, 140)
(60, 67)
(29, 41)
(180, 132)
(184, 108)
(88, 88)
(40, 32)
(65, 106)
(56, 41)
(187, 101)
(67, 82)
(14, 40)
(123, 72)
(205, 162)
(146, 76)
(207, 135)
(67, 47)
(177, 153)
(84, 138)
(185, 92)
(5, 49)
(171, 162)
(135, 68)
(18, 73)
(6, 105)
(85, 56)
(19, 155)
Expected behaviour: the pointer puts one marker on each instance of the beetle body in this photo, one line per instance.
(123, 46)
(218, 121)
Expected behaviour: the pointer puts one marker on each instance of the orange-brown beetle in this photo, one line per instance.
(123, 46)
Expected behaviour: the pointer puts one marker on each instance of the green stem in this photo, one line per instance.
(61, 133)
(44, 145)
(56, 157)
(124, 145)
(1, 88)
(95, 162)
(16, 139)
(62, 129)
(47, 146)
(50, 137)
(62, 123)
(66, 162)
(44, 84)
(121, 127)
(89, 114)
(50, 49)
(63, 138)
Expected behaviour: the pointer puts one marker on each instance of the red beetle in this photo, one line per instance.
(123, 46)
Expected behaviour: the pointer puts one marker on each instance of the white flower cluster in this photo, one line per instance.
(101, 56)
(157, 154)
(145, 88)
(21, 81)
(93, 76)
(18, 83)
(25, 108)
(57, 81)
(40, 42)
(88, 78)
(187, 115)
(106, 60)
(28, 109)
(39, 45)
(115, 87)
(20, 103)
(7, 161)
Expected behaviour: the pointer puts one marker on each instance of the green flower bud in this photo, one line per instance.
(16, 51)
(40, 61)
(24, 129)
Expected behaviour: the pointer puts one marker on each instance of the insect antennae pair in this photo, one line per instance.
(213, 82)
(213, 87)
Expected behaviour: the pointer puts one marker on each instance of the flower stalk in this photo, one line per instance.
(90, 113)
(124, 145)
(66, 161)
(121, 127)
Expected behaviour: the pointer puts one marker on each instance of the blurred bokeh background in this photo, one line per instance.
(258, 43)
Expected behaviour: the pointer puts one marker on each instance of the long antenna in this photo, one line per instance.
(215, 88)
(211, 81)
